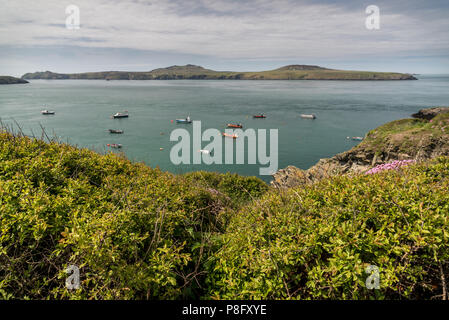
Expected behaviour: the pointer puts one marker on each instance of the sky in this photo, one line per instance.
(228, 35)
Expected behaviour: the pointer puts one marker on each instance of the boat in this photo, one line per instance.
(308, 116)
(186, 120)
(259, 116)
(357, 138)
(121, 115)
(231, 125)
(47, 112)
(115, 131)
(234, 136)
(114, 145)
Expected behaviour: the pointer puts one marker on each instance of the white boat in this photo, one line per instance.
(47, 112)
(121, 115)
(186, 120)
(308, 116)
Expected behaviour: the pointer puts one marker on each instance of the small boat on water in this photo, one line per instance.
(233, 136)
(186, 120)
(47, 112)
(259, 116)
(231, 125)
(308, 116)
(114, 145)
(121, 115)
(355, 138)
(115, 131)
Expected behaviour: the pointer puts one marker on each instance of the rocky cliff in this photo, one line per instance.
(423, 137)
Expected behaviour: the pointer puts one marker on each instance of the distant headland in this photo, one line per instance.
(11, 80)
(193, 72)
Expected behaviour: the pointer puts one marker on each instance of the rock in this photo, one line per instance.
(404, 139)
(430, 113)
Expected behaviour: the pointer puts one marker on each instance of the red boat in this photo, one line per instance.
(114, 145)
(233, 136)
(259, 116)
(231, 125)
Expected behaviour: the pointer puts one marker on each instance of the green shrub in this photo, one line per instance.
(315, 243)
(140, 233)
(236, 189)
(135, 232)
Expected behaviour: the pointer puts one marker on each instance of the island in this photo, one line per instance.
(11, 80)
(193, 72)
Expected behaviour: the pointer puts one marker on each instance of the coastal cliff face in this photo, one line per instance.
(424, 137)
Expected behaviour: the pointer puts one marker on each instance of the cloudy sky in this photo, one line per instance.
(139, 35)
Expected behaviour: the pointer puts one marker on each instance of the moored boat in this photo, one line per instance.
(121, 115)
(259, 116)
(114, 145)
(234, 136)
(357, 138)
(115, 131)
(231, 125)
(47, 112)
(186, 120)
(308, 116)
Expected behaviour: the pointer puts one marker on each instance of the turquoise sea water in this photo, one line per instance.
(343, 108)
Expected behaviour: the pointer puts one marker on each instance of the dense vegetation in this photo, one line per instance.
(292, 72)
(140, 233)
(135, 232)
(316, 242)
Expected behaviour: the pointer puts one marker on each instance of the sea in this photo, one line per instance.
(83, 110)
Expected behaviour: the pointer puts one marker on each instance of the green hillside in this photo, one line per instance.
(291, 72)
(140, 233)
(11, 80)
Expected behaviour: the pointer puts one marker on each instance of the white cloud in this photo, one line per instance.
(258, 29)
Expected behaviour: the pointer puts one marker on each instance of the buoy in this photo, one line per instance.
(171, 121)
(108, 144)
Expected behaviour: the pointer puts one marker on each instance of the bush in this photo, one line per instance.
(135, 232)
(140, 233)
(315, 243)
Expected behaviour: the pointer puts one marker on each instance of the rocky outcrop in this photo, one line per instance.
(429, 113)
(417, 139)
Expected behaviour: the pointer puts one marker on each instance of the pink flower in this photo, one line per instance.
(394, 165)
